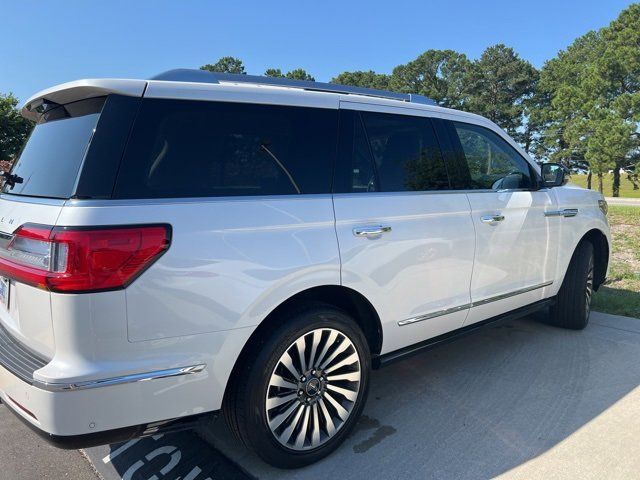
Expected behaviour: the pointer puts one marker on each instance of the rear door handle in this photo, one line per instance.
(371, 230)
(491, 219)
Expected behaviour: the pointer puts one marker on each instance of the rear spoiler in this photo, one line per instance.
(81, 90)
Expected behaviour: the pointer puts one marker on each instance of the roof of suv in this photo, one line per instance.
(185, 79)
(205, 85)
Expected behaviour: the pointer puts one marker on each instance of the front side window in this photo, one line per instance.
(182, 148)
(493, 163)
(405, 153)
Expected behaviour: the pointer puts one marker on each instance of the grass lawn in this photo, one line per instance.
(626, 187)
(621, 293)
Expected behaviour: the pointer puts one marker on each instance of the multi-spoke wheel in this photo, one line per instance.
(313, 389)
(573, 302)
(303, 388)
(588, 290)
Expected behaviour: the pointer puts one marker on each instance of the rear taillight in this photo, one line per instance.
(75, 260)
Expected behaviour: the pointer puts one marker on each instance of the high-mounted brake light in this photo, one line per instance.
(78, 260)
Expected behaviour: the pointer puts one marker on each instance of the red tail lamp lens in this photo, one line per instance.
(75, 260)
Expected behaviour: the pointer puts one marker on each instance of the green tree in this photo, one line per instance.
(500, 85)
(561, 107)
(297, 74)
(592, 102)
(438, 74)
(14, 129)
(274, 72)
(225, 65)
(300, 74)
(368, 79)
(614, 80)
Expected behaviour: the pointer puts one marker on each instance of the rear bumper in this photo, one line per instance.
(91, 416)
(87, 440)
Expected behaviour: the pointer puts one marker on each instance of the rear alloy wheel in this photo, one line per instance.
(301, 390)
(313, 389)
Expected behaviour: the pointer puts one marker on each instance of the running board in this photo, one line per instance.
(379, 361)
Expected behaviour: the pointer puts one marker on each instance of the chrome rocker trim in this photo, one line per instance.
(107, 382)
(466, 306)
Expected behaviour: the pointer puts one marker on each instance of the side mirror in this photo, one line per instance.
(553, 175)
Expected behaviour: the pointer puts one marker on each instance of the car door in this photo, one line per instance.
(406, 241)
(516, 242)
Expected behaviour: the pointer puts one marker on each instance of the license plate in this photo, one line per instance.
(4, 292)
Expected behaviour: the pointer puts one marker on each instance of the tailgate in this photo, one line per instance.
(26, 310)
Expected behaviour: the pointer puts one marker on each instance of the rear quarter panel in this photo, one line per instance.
(230, 263)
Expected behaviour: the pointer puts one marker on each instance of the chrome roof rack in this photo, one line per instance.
(204, 76)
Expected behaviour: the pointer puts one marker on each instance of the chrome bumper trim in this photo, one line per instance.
(477, 303)
(107, 382)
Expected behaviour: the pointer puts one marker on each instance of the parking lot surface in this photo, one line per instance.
(521, 400)
(25, 456)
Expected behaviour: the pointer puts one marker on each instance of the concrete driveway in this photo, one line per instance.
(519, 401)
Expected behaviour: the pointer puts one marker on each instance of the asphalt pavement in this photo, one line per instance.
(522, 400)
(25, 456)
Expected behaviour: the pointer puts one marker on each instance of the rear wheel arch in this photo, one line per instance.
(344, 298)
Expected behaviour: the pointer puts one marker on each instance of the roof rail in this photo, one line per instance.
(204, 76)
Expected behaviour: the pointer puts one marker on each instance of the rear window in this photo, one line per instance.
(388, 153)
(49, 163)
(406, 153)
(182, 148)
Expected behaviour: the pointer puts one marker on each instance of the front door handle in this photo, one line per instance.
(371, 230)
(491, 219)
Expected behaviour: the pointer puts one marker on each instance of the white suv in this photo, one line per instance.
(195, 243)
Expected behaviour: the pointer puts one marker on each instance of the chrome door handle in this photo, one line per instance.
(491, 219)
(371, 231)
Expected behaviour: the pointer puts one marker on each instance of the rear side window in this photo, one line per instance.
(49, 163)
(493, 163)
(389, 153)
(181, 148)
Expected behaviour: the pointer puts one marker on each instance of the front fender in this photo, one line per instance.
(589, 221)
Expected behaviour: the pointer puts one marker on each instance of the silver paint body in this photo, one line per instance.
(234, 260)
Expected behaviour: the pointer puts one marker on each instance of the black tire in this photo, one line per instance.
(573, 303)
(245, 406)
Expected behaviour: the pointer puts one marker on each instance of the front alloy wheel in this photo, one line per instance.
(573, 302)
(588, 290)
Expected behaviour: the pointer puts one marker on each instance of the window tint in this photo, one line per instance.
(185, 148)
(50, 160)
(493, 163)
(406, 153)
(364, 176)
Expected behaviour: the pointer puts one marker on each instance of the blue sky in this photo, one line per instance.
(49, 42)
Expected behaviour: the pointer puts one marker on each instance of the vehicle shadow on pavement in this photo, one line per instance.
(480, 406)
(475, 408)
(181, 455)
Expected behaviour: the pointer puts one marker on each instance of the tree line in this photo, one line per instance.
(581, 109)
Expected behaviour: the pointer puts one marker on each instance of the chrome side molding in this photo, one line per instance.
(566, 212)
(438, 313)
(477, 303)
(107, 382)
